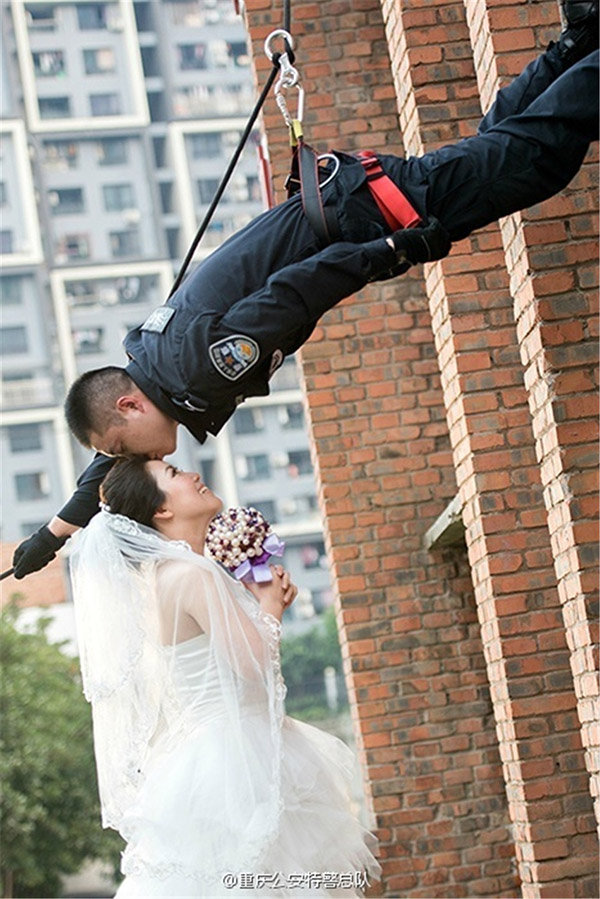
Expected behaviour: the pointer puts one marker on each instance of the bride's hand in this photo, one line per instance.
(276, 595)
(290, 591)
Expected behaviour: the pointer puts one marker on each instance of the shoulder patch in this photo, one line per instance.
(159, 319)
(234, 356)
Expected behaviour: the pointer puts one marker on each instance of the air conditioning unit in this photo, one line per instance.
(114, 22)
(288, 506)
(108, 296)
(132, 216)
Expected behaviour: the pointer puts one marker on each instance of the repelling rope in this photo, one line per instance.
(282, 62)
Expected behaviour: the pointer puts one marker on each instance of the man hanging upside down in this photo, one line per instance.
(258, 297)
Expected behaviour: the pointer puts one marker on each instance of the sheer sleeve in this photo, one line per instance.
(244, 637)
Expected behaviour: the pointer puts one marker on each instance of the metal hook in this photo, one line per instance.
(279, 32)
(281, 103)
(288, 77)
(336, 167)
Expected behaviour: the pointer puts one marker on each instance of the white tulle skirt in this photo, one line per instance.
(180, 823)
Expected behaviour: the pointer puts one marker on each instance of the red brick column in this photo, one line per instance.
(510, 549)
(551, 257)
(408, 622)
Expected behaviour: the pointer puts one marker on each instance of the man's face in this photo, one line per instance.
(146, 431)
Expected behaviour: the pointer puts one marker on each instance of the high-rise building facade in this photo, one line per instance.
(118, 118)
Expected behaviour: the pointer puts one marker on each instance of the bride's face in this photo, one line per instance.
(187, 497)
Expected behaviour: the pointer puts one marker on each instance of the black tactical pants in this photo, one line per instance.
(528, 147)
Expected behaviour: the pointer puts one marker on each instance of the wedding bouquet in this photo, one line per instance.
(241, 539)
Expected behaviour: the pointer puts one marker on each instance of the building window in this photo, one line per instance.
(6, 241)
(47, 63)
(124, 243)
(24, 438)
(253, 468)
(13, 340)
(297, 507)
(159, 146)
(40, 16)
(173, 240)
(11, 290)
(192, 56)
(91, 16)
(205, 146)
(61, 154)
(248, 421)
(253, 188)
(218, 230)
(299, 463)
(33, 485)
(20, 389)
(88, 340)
(112, 151)
(238, 52)
(118, 197)
(99, 62)
(291, 416)
(54, 107)
(286, 376)
(105, 104)
(66, 200)
(219, 53)
(207, 188)
(313, 555)
(73, 246)
(188, 13)
(267, 507)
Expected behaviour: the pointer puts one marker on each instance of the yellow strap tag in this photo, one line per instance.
(296, 133)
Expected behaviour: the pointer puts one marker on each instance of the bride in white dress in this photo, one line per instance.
(215, 790)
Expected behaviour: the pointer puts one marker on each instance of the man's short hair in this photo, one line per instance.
(90, 406)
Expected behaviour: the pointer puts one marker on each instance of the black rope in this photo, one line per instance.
(238, 151)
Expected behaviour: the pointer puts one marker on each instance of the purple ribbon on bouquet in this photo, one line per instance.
(257, 569)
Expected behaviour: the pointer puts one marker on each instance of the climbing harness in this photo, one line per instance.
(391, 202)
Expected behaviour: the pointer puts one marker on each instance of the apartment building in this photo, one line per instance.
(118, 119)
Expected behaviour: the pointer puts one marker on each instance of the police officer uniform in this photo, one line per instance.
(258, 297)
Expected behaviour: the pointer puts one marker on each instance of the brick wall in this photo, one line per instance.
(466, 668)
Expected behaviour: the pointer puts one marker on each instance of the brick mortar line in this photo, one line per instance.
(538, 379)
(434, 279)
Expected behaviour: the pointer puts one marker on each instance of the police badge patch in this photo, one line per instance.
(233, 356)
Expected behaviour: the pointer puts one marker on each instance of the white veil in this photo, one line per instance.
(124, 577)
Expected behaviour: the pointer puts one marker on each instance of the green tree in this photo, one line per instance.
(304, 658)
(50, 816)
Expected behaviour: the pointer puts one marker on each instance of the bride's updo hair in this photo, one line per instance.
(129, 489)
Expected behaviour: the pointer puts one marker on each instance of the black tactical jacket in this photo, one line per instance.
(233, 320)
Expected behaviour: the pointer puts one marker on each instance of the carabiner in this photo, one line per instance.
(279, 32)
(283, 108)
(288, 77)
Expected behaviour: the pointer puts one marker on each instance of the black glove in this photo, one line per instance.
(35, 552)
(413, 245)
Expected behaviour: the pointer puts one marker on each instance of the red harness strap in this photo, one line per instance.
(393, 205)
